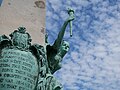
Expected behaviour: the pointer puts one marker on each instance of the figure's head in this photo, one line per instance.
(65, 46)
(22, 29)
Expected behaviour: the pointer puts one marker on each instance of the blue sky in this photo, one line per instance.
(1, 2)
(93, 61)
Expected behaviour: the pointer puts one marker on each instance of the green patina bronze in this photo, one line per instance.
(24, 66)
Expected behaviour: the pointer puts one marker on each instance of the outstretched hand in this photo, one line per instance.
(71, 15)
(71, 18)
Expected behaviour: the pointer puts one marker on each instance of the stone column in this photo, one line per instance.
(18, 65)
(27, 13)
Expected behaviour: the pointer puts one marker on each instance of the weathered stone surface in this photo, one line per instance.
(27, 13)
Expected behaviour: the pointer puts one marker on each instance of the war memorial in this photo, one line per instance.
(30, 66)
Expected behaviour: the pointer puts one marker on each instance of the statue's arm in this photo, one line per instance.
(60, 36)
(56, 52)
(59, 39)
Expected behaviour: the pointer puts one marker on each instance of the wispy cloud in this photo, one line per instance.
(93, 62)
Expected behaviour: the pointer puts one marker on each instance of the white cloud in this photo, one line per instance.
(94, 60)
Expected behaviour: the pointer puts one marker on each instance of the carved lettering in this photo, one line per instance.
(4, 60)
(7, 70)
(16, 70)
(2, 85)
(21, 88)
(15, 66)
(20, 72)
(4, 65)
(1, 80)
(11, 86)
(0, 75)
(27, 64)
(9, 80)
(26, 69)
(12, 75)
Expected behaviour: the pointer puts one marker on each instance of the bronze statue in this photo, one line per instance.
(24, 66)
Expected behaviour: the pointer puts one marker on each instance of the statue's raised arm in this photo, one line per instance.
(57, 51)
(59, 39)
